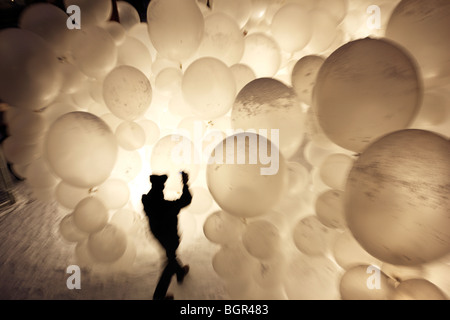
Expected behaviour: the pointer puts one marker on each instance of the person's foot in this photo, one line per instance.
(169, 296)
(180, 277)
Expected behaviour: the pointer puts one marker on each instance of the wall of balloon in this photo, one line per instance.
(94, 111)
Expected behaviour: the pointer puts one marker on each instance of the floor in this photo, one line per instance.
(34, 260)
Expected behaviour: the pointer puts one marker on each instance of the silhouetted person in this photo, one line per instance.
(163, 219)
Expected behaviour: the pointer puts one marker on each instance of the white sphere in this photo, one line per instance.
(108, 244)
(90, 214)
(130, 135)
(81, 149)
(133, 52)
(209, 88)
(69, 231)
(261, 239)
(114, 193)
(262, 54)
(223, 228)
(69, 196)
(92, 12)
(127, 92)
(334, 170)
(128, 15)
(242, 74)
(303, 76)
(239, 10)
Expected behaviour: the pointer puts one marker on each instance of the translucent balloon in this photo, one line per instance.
(402, 273)
(270, 274)
(298, 178)
(128, 14)
(304, 76)
(222, 39)
(130, 135)
(337, 8)
(418, 25)
(82, 255)
(124, 219)
(140, 32)
(266, 103)
(373, 82)
(201, 200)
(233, 262)
(171, 155)
(24, 54)
(116, 31)
(28, 126)
(152, 132)
(324, 31)
(81, 149)
(90, 215)
(114, 193)
(291, 27)
(39, 175)
(411, 227)
(334, 170)
(132, 52)
(418, 289)
(47, 21)
(72, 77)
(92, 12)
(69, 196)
(312, 278)
(242, 74)
(168, 81)
(261, 239)
(223, 228)
(312, 237)
(209, 88)
(93, 51)
(108, 244)
(348, 253)
(246, 188)
(21, 152)
(175, 27)
(365, 282)
(329, 208)
(239, 10)
(69, 231)
(127, 92)
(262, 54)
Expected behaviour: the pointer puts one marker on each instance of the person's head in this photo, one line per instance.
(158, 181)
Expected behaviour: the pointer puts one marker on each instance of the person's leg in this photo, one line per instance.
(164, 281)
(180, 270)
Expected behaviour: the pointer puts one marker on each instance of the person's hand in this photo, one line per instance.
(184, 177)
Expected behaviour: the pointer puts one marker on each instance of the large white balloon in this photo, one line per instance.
(81, 149)
(175, 27)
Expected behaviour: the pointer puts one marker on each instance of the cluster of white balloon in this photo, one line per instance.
(363, 157)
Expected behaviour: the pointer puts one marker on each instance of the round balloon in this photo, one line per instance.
(364, 90)
(108, 244)
(240, 178)
(396, 198)
(81, 149)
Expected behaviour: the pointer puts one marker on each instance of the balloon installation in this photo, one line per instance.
(316, 135)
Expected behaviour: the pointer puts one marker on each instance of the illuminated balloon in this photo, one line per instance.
(128, 14)
(92, 12)
(201, 200)
(233, 262)
(239, 10)
(365, 282)
(81, 149)
(130, 135)
(222, 39)
(396, 203)
(23, 55)
(222, 228)
(39, 175)
(114, 193)
(140, 32)
(261, 239)
(28, 126)
(20, 151)
(298, 178)
(69, 231)
(241, 180)
(93, 51)
(418, 289)
(418, 25)
(337, 8)
(365, 89)
(312, 237)
(69, 196)
(132, 52)
(124, 219)
(291, 27)
(108, 244)
(209, 87)
(242, 74)
(266, 103)
(304, 76)
(168, 81)
(324, 30)
(262, 54)
(90, 215)
(152, 132)
(127, 92)
(329, 208)
(48, 21)
(334, 170)
(175, 27)
(116, 31)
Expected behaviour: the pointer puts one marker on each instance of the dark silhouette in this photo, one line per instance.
(163, 220)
